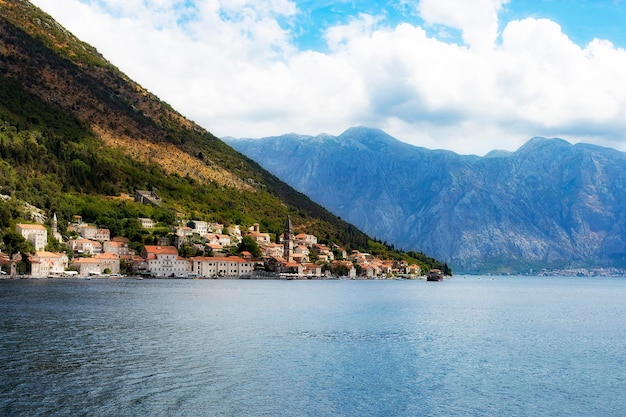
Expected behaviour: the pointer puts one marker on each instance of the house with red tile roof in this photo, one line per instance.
(311, 270)
(163, 261)
(292, 268)
(300, 258)
(97, 264)
(85, 246)
(227, 266)
(214, 247)
(34, 233)
(116, 247)
(261, 239)
(341, 251)
(304, 250)
(183, 231)
(414, 270)
(306, 240)
(7, 265)
(274, 249)
(102, 234)
(217, 239)
(44, 264)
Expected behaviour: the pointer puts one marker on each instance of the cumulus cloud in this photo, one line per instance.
(233, 66)
(477, 19)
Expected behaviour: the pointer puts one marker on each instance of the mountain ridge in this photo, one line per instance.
(548, 204)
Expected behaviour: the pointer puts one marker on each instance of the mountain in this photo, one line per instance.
(549, 204)
(77, 136)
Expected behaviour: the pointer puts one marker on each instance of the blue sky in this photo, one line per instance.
(469, 76)
(581, 20)
(317, 16)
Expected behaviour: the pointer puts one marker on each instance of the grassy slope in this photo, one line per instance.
(76, 133)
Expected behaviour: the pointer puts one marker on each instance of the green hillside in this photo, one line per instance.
(77, 136)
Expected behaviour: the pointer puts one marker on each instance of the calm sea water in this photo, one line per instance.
(466, 346)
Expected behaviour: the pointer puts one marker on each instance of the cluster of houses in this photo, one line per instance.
(96, 253)
(102, 254)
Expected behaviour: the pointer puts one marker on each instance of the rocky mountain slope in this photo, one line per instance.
(549, 204)
(77, 136)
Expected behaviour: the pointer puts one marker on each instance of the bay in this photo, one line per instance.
(466, 346)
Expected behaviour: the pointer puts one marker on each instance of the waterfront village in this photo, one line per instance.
(94, 253)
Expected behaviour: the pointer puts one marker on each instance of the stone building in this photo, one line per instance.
(231, 266)
(147, 197)
(35, 234)
(45, 264)
(98, 264)
(163, 261)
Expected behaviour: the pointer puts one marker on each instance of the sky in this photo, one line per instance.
(469, 76)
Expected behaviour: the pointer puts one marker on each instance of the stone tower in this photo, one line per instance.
(288, 241)
(55, 231)
(54, 223)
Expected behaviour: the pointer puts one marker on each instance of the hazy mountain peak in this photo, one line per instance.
(362, 131)
(373, 139)
(538, 142)
(498, 153)
(548, 204)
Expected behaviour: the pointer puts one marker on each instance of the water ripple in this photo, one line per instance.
(277, 348)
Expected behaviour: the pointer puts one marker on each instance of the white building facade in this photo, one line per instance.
(45, 264)
(35, 234)
(163, 261)
(98, 264)
(231, 266)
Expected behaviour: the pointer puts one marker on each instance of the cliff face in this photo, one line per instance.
(548, 204)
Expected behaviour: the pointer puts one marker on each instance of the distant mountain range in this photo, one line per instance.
(549, 204)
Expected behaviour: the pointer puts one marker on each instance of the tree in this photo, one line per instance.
(248, 244)
(338, 254)
(313, 255)
(186, 251)
(340, 270)
(5, 215)
(23, 266)
(15, 242)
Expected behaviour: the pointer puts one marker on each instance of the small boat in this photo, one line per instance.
(434, 275)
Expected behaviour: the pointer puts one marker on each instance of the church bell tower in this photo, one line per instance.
(288, 241)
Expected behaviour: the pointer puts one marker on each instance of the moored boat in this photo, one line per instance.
(434, 275)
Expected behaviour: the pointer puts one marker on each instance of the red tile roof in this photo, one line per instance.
(161, 250)
(31, 226)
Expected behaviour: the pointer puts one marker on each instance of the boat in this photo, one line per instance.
(434, 275)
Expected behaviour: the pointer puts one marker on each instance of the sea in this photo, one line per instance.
(467, 346)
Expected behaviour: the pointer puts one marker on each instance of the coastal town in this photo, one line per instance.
(92, 252)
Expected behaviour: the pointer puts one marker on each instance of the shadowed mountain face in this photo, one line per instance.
(548, 204)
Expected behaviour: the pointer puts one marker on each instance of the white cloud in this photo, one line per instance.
(230, 66)
(477, 19)
(554, 83)
(338, 36)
